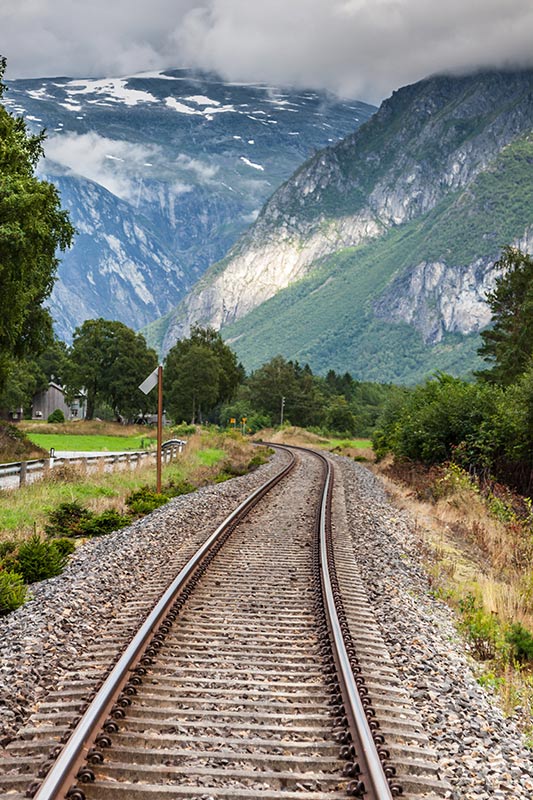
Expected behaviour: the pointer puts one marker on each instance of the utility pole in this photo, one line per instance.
(281, 412)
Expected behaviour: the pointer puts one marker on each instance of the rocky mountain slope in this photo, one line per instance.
(387, 239)
(161, 173)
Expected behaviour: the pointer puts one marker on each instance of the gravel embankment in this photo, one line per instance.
(43, 639)
(482, 754)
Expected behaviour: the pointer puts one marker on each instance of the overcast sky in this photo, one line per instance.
(357, 48)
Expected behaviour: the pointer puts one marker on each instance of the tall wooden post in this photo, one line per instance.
(159, 424)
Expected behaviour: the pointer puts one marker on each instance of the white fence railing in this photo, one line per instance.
(28, 471)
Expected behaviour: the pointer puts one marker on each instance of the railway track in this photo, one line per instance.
(259, 674)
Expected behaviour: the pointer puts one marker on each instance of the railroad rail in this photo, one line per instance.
(239, 684)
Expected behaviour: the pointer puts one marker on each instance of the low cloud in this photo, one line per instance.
(203, 172)
(115, 165)
(356, 48)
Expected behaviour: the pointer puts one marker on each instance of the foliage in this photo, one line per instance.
(509, 342)
(339, 417)
(521, 642)
(144, 500)
(6, 548)
(73, 520)
(32, 228)
(200, 373)
(38, 559)
(433, 420)
(12, 591)
(67, 519)
(192, 382)
(24, 377)
(110, 361)
(65, 546)
(480, 628)
(56, 416)
(182, 430)
(175, 488)
(101, 524)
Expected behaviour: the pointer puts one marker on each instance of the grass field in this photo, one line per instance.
(74, 442)
(24, 510)
(356, 444)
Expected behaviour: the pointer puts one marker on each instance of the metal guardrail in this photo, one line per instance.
(41, 467)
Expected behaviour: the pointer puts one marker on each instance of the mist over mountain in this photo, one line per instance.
(161, 173)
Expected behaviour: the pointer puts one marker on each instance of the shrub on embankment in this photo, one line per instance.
(79, 506)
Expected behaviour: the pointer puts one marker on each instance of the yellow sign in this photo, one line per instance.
(232, 421)
(244, 419)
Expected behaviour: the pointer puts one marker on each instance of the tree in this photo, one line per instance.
(26, 376)
(231, 373)
(201, 372)
(339, 417)
(192, 381)
(509, 343)
(32, 228)
(109, 360)
(433, 419)
(23, 379)
(271, 382)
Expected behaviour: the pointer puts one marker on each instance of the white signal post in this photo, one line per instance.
(155, 378)
(159, 425)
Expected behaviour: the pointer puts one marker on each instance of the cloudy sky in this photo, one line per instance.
(358, 48)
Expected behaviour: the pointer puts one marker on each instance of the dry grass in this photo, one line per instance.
(292, 435)
(23, 510)
(87, 428)
(466, 550)
(468, 545)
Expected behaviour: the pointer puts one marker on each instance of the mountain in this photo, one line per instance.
(376, 255)
(161, 173)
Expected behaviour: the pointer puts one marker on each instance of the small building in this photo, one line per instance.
(52, 398)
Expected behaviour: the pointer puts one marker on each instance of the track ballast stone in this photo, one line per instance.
(44, 639)
(482, 753)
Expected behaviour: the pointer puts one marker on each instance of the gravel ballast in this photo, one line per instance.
(482, 754)
(42, 640)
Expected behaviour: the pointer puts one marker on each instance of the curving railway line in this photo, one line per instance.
(259, 673)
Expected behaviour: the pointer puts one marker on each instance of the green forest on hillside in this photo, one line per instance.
(327, 319)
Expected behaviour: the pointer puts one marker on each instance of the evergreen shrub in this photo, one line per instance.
(12, 591)
(106, 522)
(38, 559)
(56, 416)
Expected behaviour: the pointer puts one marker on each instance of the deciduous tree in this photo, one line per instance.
(508, 344)
(200, 373)
(32, 229)
(109, 360)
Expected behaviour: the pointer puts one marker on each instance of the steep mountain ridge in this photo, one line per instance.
(427, 142)
(410, 302)
(161, 173)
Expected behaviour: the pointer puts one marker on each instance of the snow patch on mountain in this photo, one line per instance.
(115, 89)
(251, 163)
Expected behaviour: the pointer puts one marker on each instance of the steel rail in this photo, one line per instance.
(372, 780)
(375, 783)
(73, 753)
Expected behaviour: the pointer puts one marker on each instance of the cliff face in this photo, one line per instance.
(428, 143)
(162, 172)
